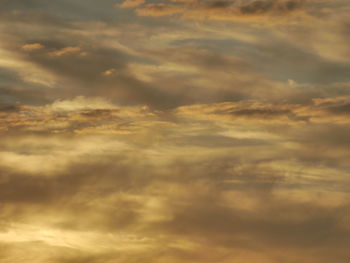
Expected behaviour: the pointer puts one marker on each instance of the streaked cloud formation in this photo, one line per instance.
(174, 131)
(226, 9)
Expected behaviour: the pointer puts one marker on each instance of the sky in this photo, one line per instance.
(168, 131)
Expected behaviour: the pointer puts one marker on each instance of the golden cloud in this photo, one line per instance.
(32, 47)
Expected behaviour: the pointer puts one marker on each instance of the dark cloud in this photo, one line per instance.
(216, 10)
(219, 4)
(10, 108)
(340, 109)
(216, 141)
(261, 7)
(318, 228)
(258, 112)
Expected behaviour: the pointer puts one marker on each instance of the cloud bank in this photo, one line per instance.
(174, 131)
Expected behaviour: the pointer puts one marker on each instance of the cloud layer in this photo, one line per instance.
(174, 131)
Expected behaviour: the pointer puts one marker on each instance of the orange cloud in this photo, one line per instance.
(32, 47)
(131, 3)
(65, 51)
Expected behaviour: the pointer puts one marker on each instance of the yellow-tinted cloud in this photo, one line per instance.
(220, 138)
(131, 3)
(97, 115)
(65, 51)
(32, 47)
(224, 176)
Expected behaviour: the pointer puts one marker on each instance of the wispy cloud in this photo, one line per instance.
(174, 131)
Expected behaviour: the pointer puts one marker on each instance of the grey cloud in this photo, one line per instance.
(17, 187)
(265, 6)
(340, 109)
(207, 218)
(262, 113)
(216, 141)
(219, 4)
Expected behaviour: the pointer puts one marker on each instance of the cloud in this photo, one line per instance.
(133, 203)
(131, 3)
(261, 7)
(95, 115)
(32, 47)
(174, 131)
(80, 103)
(219, 10)
(65, 51)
